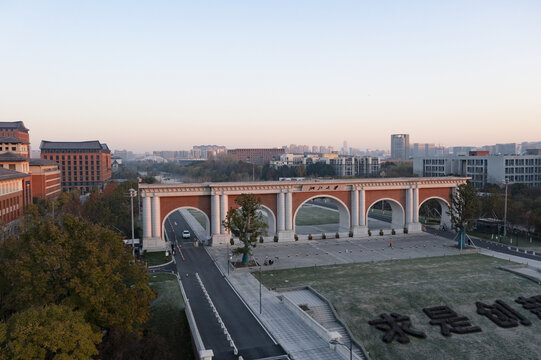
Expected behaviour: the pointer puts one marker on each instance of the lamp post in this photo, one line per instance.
(228, 258)
(260, 288)
(133, 193)
(350, 347)
(260, 302)
(506, 182)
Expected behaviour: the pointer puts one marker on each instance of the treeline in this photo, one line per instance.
(523, 205)
(72, 278)
(222, 169)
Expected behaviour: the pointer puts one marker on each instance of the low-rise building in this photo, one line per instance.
(483, 168)
(357, 166)
(257, 156)
(46, 179)
(12, 197)
(85, 165)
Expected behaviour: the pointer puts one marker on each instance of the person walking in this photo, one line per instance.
(390, 243)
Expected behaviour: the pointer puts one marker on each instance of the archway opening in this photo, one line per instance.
(186, 224)
(321, 215)
(385, 215)
(270, 220)
(434, 212)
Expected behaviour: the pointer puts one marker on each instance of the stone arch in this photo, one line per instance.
(271, 219)
(398, 220)
(207, 221)
(445, 218)
(343, 211)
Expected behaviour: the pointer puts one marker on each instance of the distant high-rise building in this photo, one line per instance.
(400, 146)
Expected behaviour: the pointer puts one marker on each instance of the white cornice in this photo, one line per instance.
(273, 187)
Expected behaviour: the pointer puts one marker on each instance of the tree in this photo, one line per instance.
(71, 262)
(48, 332)
(246, 223)
(464, 210)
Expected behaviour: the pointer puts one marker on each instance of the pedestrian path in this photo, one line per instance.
(296, 337)
(320, 311)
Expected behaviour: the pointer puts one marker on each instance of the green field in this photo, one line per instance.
(199, 216)
(315, 215)
(155, 258)
(360, 292)
(168, 318)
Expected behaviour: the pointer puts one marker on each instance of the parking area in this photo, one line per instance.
(341, 251)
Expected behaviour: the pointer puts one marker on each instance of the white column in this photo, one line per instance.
(289, 210)
(354, 207)
(223, 212)
(362, 212)
(409, 206)
(416, 205)
(215, 213)
(147, 220)
(156, 217)
(280, 212)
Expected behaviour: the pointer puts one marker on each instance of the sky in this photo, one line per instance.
(167, 75)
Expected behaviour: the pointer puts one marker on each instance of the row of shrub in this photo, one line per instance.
(324, 236)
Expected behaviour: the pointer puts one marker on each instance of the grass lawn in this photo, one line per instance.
(168, 318)
(199, 216)
(156, 258)
(360, 292)
(315, 215)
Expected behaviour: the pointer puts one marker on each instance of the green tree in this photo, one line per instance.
(464, 211)
(48, 332)
(246, 223)
(71, 262)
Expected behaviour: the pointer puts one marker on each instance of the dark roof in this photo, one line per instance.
(42, 162)
(6, 174)
(13, 125)
(73, 145)
(11, 140)
(11, 157)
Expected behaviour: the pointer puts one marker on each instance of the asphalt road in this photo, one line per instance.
(251, 339)
(492, 245)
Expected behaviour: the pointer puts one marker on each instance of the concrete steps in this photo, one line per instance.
(321, 312)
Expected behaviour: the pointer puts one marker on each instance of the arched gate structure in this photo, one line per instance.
(283, 198)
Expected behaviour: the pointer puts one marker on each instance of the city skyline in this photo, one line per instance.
(243, 74)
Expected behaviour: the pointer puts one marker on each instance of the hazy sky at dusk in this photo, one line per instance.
(150, 75)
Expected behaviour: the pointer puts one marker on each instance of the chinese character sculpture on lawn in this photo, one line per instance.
(449, 321)
(532, 303)
(502, 314)
(396, 325)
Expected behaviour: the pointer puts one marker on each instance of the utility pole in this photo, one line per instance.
(133, 193)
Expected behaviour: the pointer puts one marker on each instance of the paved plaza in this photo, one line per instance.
(347, 250)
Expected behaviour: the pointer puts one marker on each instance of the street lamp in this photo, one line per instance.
(229, 259)
(506, 182)
(260, 288)
(350, 347)
(260, 302)
(133, 193)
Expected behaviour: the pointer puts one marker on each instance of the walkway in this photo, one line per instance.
(323, 314)
(297, 338)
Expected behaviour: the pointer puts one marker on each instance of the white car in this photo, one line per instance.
(185, 234)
